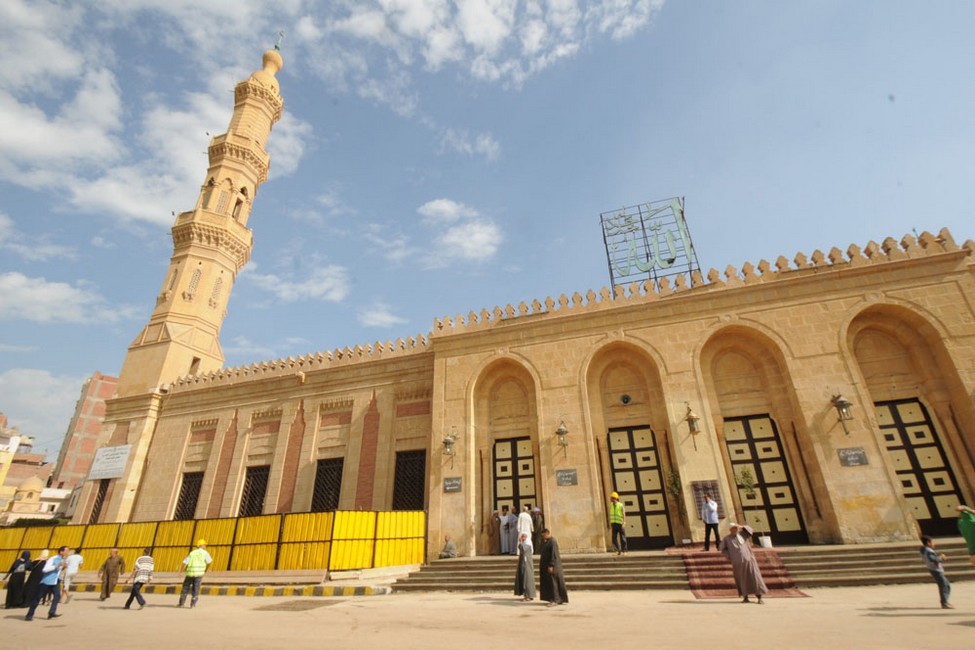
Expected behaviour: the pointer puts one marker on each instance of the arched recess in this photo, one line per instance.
(505, 417)
(630, 425)
(920, 404)
(760, 435)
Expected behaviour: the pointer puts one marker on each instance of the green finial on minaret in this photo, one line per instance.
(277, 46)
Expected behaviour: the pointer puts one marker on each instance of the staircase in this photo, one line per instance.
(637, 570)
(873, 564)
(807, 566)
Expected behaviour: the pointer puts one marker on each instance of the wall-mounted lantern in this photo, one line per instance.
(693, 423)
(844, 409)
(449, 441)
(562, 433)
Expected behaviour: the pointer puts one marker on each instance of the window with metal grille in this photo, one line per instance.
(255, 487)
(96, 509)
(189, 494)
(410, 480)
(328, 485)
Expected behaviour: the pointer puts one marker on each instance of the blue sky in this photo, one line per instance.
(441, 157)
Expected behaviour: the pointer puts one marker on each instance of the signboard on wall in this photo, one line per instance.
(453, 484)
(852, 456)
(109, 462)
(566, 477)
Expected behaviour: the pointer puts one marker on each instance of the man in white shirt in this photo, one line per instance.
(709, 513)
(525, 525)
(72, 564)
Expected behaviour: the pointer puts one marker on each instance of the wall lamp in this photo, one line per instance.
(563, 435)
(844, 408)
(693, 423)
(449, 441)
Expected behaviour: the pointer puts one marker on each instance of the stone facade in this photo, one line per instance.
(463, 420)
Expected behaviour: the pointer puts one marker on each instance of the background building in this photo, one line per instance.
(81, 440)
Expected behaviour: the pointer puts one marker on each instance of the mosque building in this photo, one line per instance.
(825, 399)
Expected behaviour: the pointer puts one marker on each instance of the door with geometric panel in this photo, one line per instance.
(514, 474)
(638, 478)
(923, 472)
(765, 488)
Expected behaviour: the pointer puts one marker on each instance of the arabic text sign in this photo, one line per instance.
(109, 462)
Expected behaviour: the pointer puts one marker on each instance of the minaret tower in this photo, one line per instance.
(211, 243)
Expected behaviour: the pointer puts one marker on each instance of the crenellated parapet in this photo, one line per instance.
(888, 251)
(300, 366)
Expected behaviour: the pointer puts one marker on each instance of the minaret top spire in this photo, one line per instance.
(272, 63)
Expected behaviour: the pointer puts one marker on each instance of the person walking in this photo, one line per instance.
(737, 547)
(525, 577)
(935, 562)
(141, 576)
(195, 565)
(552, 580)
(111, 570)
(16, 578)
(617, 521)
(72, 564)
(709, 514)
(33, 583)
(50, 574)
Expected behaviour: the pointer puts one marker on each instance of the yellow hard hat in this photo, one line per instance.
(614, 496)
(201, 542)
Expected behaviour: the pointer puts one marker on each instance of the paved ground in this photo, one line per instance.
(906, 616)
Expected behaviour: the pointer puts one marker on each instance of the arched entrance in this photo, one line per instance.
(630, 425)
(505, 417)
(898, 355)
(751, 395)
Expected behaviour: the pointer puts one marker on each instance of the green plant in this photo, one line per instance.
(746, 481)
(674, 487)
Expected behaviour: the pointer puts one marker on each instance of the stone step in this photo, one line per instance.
(808, 566)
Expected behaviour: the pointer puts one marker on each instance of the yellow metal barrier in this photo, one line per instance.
(101, 535)
(67, 536)
(36, 540)
(216, 532)
(138, 535)
(308, 527)
(256, 530)
(339, 540)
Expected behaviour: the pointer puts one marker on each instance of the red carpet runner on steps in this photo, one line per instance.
(710, 575)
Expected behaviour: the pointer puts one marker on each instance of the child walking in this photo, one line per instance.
(935, 563)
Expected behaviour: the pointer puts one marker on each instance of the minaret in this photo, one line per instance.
(211, 244)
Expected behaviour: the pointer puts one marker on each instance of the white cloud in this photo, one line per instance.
(7, 347)
(393, 246)
(329, 283)
(37, 300)
(31, 249)
(40, 404)
(476, 241)
(82, 133)
(286, 144)
(483, 144)
(444, 211)
(378, 315)
(36, 55)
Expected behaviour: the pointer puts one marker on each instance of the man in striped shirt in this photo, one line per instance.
(141, 575)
